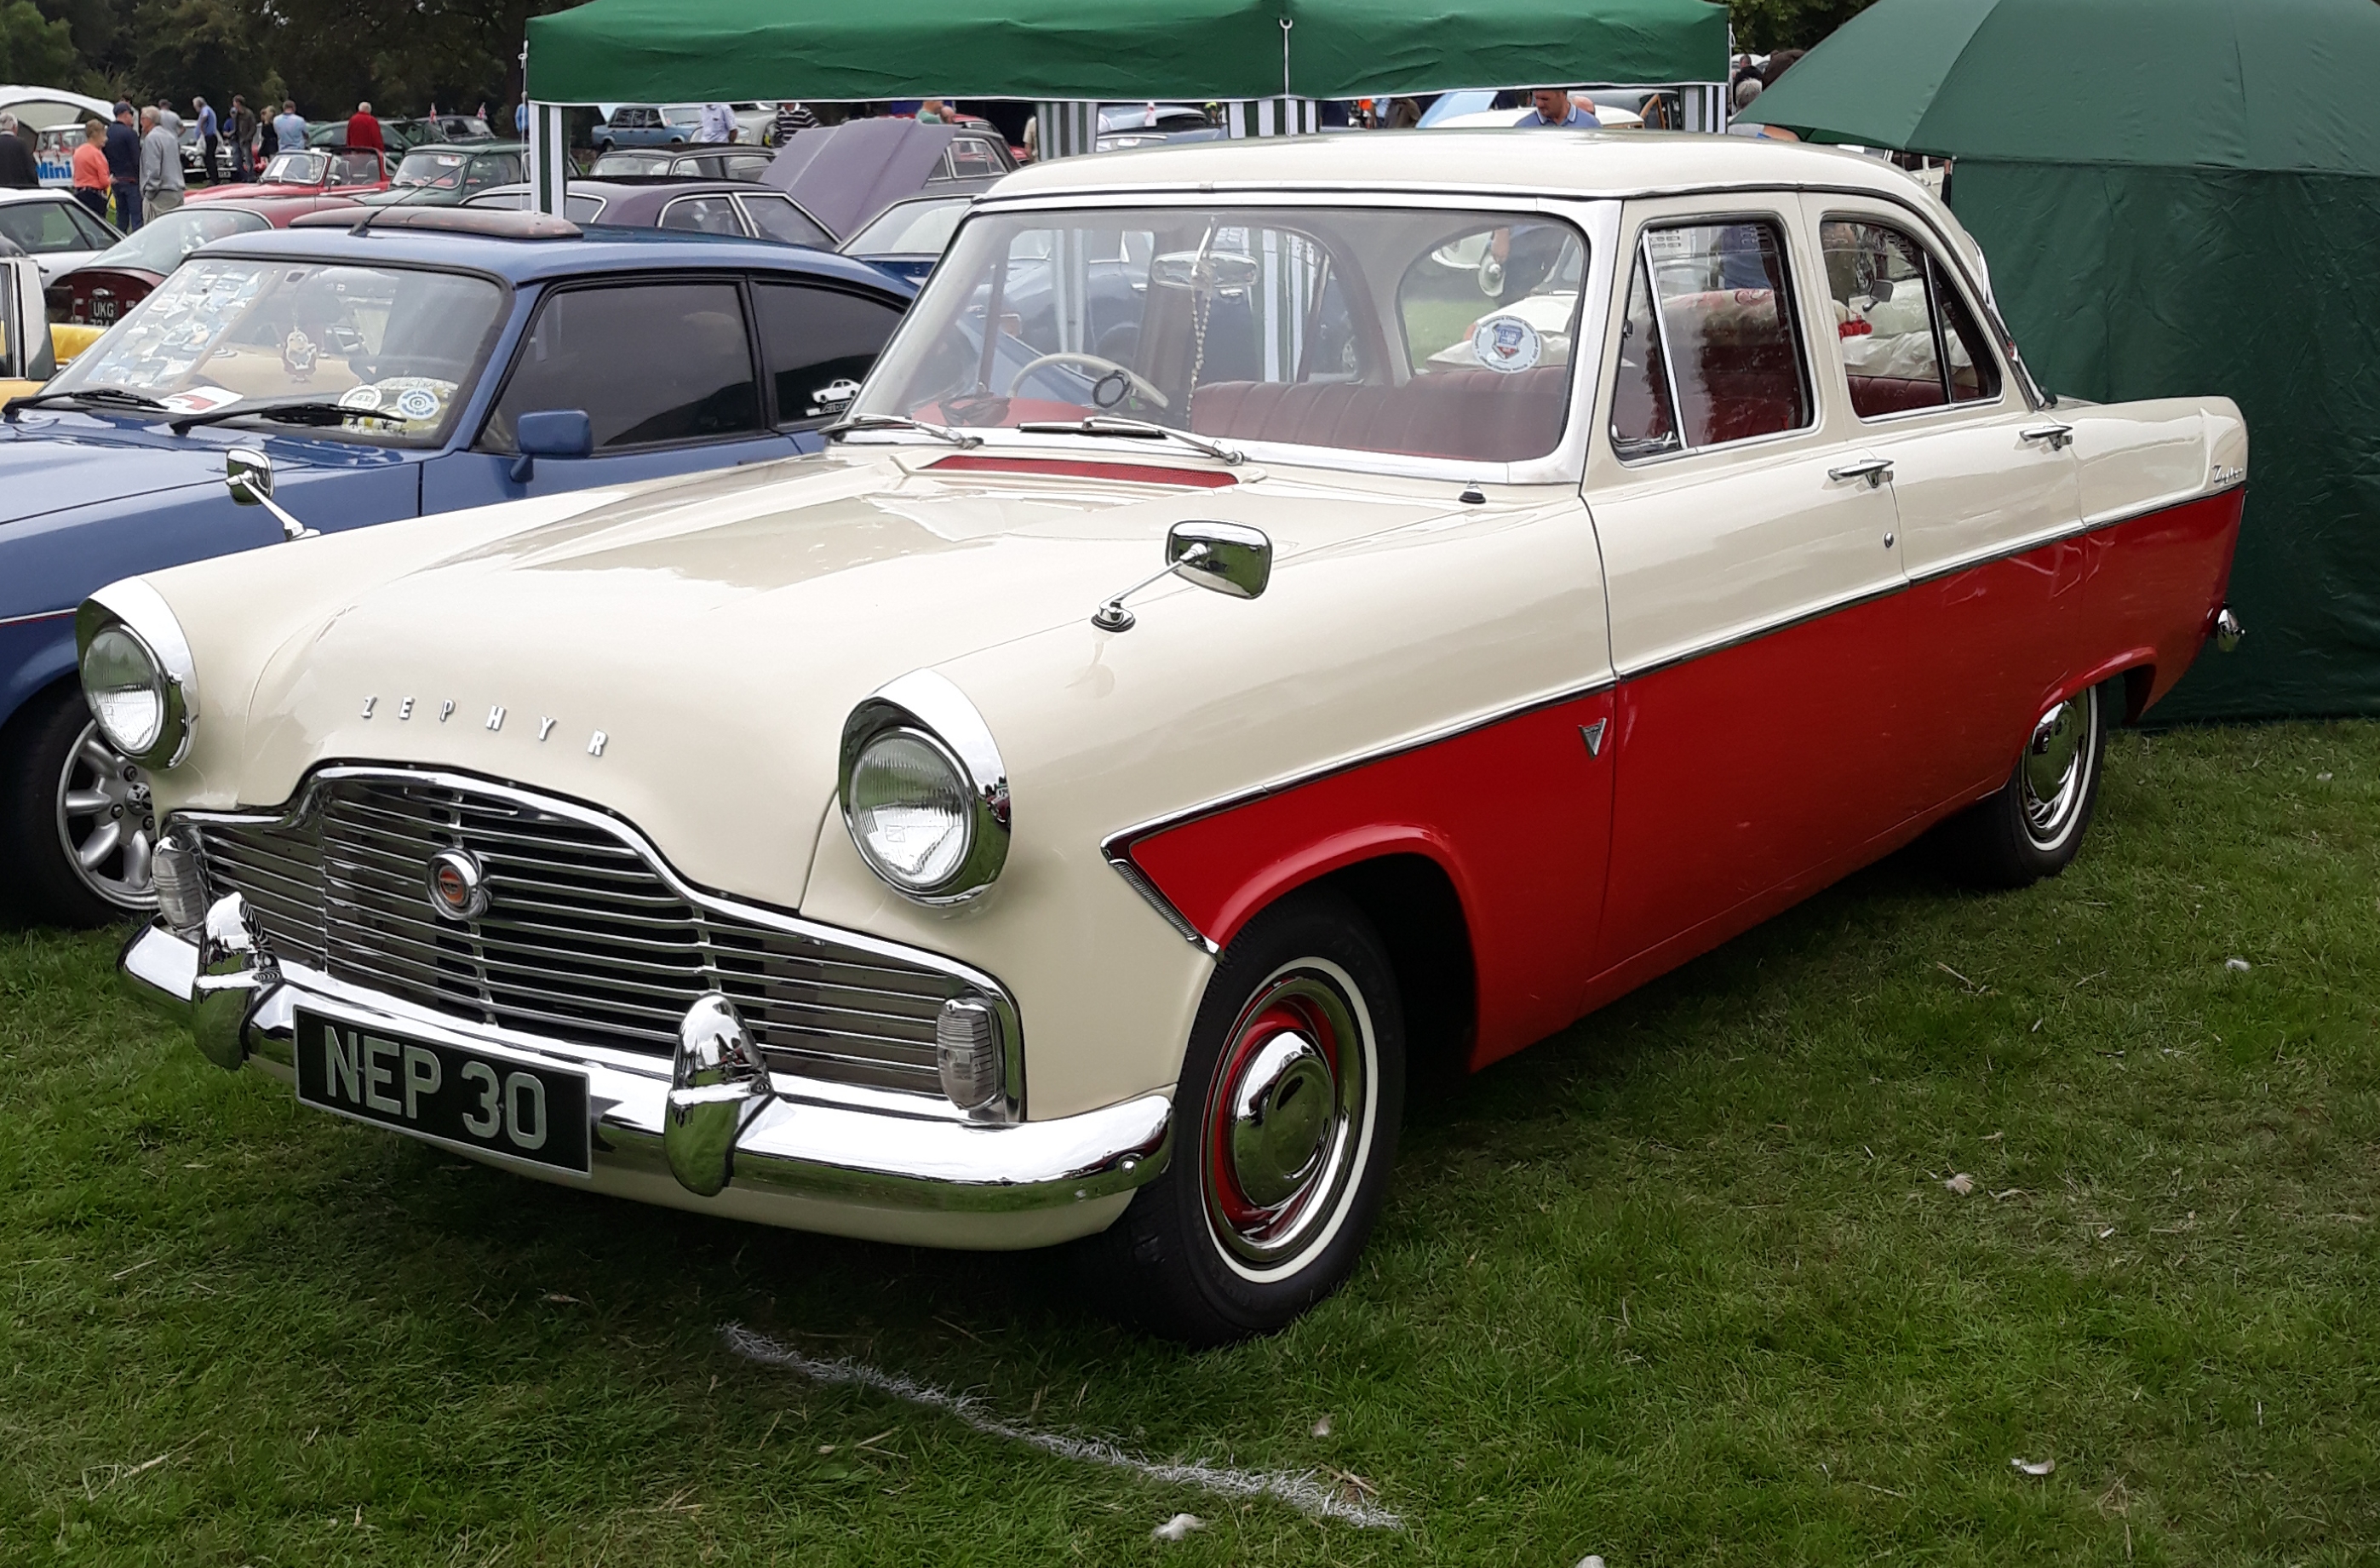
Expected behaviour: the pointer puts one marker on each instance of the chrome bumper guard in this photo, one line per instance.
(711, 1117)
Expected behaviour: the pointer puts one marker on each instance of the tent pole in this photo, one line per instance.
(548, 157)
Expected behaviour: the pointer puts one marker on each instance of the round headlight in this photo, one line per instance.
(129, 692)
(911, 811)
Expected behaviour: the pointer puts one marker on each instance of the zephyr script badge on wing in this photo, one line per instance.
(458, 888)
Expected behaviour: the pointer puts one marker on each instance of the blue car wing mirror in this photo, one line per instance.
(550, 433)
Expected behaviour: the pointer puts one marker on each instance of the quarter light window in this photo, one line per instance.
(1908, 340)
(1707, 350)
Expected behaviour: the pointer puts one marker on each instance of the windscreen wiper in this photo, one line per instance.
(898, 421)
(106, 396)
(1137, 429)
(300, 411)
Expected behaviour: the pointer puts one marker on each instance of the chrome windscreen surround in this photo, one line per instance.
(588, 939)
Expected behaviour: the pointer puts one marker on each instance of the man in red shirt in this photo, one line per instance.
(363, 130)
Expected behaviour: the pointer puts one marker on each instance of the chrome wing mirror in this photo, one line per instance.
(1228, 558)
(247, 474)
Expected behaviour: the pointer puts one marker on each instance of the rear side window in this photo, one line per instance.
(971, 158)
(650, 363)
(1908, 340)
(1708, 353)
(703, 214)
(776, 217)
(815, 338)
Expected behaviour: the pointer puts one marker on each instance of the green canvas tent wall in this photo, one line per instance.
(2176, 197)
(676, 50)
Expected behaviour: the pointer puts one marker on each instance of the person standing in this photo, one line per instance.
(363, 129)
(243, 140)
(718, 124)
(161, 165)
(1551, 108)
(123, 153)
(18, 171)
(209, 140)
(288, 127)
(89, 179)
(793, 118)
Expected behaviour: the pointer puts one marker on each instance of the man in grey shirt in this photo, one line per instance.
(161, 163)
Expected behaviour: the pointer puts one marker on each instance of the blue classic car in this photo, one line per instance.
(438, 359)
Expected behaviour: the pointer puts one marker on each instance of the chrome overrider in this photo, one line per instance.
(710, 1117)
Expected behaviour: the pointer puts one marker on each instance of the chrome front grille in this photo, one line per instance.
(584, 938)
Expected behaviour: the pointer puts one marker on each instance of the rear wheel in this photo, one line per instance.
(76, 822)
(2033, 826)
(1284, 1127)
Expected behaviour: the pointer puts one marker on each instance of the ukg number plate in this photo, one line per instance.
(437, 1091)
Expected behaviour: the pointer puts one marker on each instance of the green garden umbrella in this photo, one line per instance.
(2220, 84)
(2177, 197)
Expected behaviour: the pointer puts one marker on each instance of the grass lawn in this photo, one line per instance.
(1685, 1285)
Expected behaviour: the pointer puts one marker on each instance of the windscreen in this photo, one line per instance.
(910, 228)
(158, 245)
(1433, 334)
(394, 340)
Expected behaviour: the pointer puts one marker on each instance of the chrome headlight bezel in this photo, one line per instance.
(926, 705)
(141, 612)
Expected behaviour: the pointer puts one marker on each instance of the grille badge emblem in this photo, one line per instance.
(458, 887)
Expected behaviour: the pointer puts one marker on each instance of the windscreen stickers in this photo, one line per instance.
(1507, 344)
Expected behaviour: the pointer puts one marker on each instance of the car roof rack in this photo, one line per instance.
(497, 222)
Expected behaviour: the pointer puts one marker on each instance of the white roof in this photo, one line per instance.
(1568, 163)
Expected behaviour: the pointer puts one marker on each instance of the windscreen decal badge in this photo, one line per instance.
(596, 739)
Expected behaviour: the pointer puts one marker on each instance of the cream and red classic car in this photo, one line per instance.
(1279, 617)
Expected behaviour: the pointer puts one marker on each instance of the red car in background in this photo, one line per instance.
(304, 180)
(100, 290)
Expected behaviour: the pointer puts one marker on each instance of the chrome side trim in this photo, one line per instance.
(1003, 1005)
(36, 615)
(2003, 549)
(1121, 859)
(1117, 847)
(794, 1146)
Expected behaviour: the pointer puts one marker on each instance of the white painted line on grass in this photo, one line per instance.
(1302, 1492)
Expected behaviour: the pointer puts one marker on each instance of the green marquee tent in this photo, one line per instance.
(2176, 197)
(676, 51)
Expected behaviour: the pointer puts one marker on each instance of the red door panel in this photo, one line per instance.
(1517, 814)
(1751, 766)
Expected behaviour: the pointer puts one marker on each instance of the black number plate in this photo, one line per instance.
(443, 1093)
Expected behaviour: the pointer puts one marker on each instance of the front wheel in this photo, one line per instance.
(2033, 826)
(76, 822)
(1284, 1127)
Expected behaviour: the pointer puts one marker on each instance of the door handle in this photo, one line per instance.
(1875, 471)
(2058, 435)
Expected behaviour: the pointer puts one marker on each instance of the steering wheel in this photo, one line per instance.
(1107, 368)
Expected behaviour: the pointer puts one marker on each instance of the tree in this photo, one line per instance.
(39, 51)
(1764, 25)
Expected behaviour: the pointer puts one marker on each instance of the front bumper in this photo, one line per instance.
(871, 1171)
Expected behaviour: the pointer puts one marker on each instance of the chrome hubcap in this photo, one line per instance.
(1283, 1119)
(106, 825)
(2055, 770)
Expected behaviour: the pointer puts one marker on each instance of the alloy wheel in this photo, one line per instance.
(106, 823)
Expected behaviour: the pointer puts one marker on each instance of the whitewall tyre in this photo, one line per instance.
(1284, 1127)
(2033, 826)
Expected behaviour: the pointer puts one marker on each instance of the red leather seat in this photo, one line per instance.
(1872, 395)
(1476, 415)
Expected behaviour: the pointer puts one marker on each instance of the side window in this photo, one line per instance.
(1908, 340)
(39, 227)
(1708, 352)
(815, 338)
(970, 158)
(650, 362)
(703, 214)
(776, 217)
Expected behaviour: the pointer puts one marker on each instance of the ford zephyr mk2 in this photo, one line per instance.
(1276, 617)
